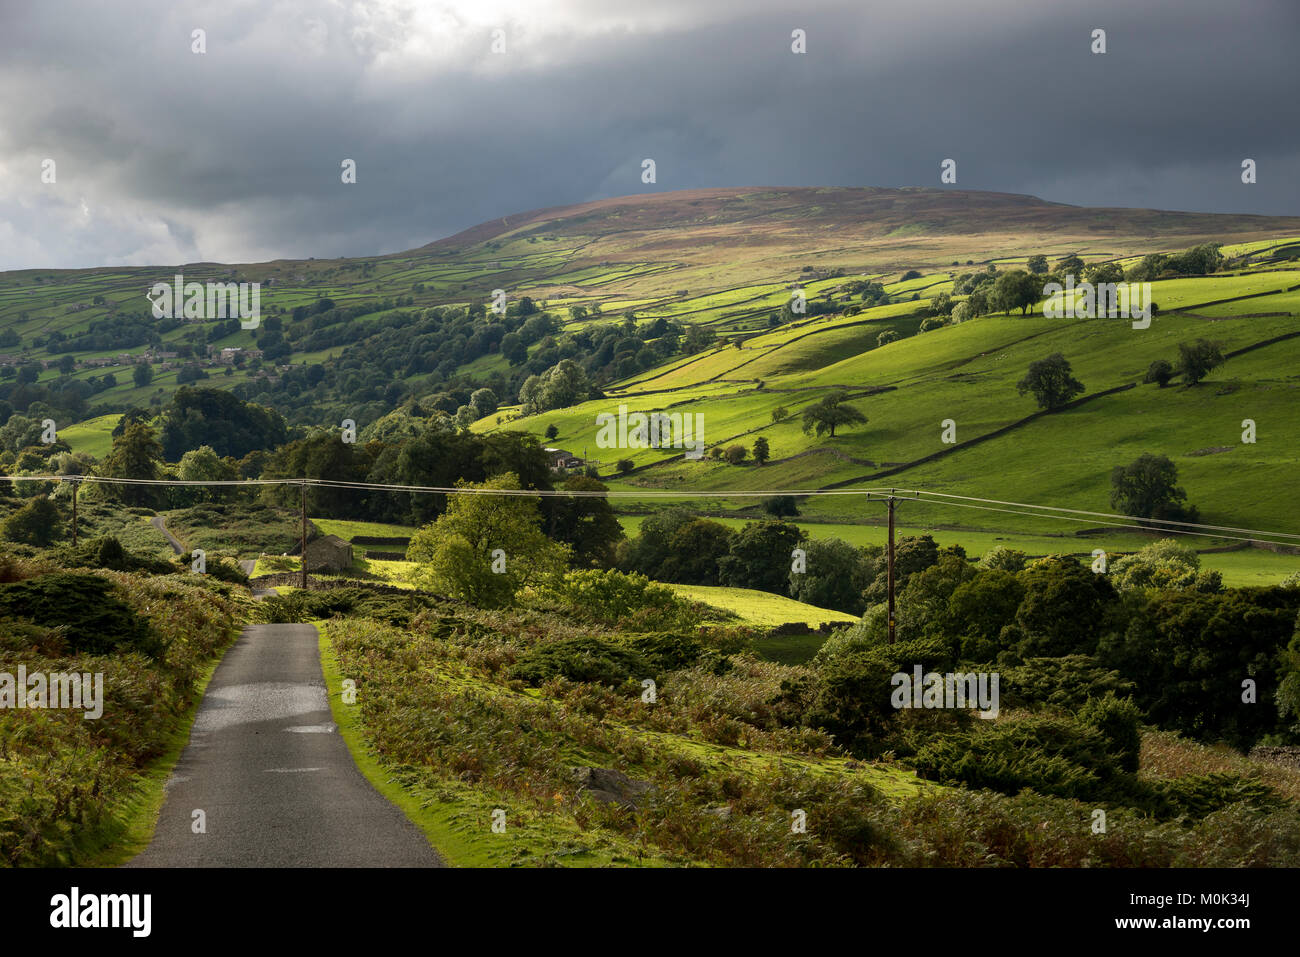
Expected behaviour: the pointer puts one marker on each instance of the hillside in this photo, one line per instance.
(680, 301)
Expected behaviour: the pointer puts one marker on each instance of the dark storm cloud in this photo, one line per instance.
(166, 156)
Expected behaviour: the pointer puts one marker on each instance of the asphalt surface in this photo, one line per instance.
(272, 775)
(158, 523)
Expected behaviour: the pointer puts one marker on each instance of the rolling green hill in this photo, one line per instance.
(356, 338)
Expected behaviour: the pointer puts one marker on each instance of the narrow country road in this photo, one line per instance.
(158, 523)
(274, 780)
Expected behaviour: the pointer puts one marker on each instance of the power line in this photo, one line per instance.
(940, 499)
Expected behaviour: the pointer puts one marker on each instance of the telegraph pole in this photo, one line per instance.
(890, 504)
(75, 483)
(302, 552)
(890, 500)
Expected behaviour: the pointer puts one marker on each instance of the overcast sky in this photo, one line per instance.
(166, 156)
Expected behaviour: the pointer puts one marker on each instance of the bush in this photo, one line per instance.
(610, 597)
(671, 651)
(624, 466)
(1198, 795)
(36, 523)
(1046, 753)
(107, 552)
(853, 692)
(300, 606)
(1065, 683)
(735, 454)
(583, 658)
(1117, 719)
(780, 506)
(1003, 558)
(96, 619)
(1159, 372)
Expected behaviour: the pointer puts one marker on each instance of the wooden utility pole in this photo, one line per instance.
(890, 500)
(75, 483)
(890, 503)
(302, 552)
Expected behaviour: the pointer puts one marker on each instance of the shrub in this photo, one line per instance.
(97, 620)
(1159, 372)
(36, 523)
(582, 658)
(852, 697)
(780, 506)
(1199, 795)
(1003, 558)
(1046, 753)
(610, 597)
(624, 466)
(1117, 719)
(1065, 683)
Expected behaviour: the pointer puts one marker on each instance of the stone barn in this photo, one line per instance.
(328, 553)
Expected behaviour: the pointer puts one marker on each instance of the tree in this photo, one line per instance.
(961, 312)
(624, 466)
(1198, 359)
(780, 506)
(834, 576)
(483, 402)
(886, 337)
(648, 552)
(219, 419)
(1187, 654)
(36, 523)
(19, 433)
(913, 554)
(1147, 489)
(1051, 382)
(760, 556)
(1099, 273)
(1037, 264)
(552, 431)
(1070, 266)
(142, 374)
(695, 552)
(203, 465)
(1016, 289)
(735, 454)
(559, 386)
(1159, 372)
(1162, 565)
(1064, 608)
(761, 451)
(586, 523)
(485, 547)
(780, 414)
(698, 338)
(135, 455)
(831, 413)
